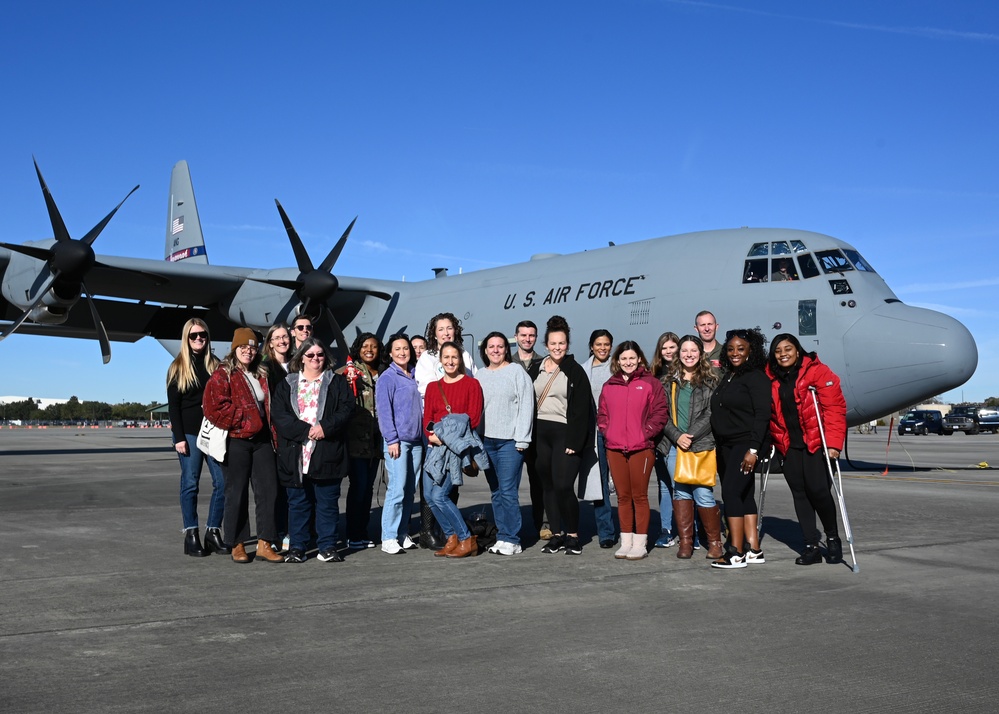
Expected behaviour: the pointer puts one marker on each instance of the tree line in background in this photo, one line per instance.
(75, 410)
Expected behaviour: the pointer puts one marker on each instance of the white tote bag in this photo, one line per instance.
(212, 440)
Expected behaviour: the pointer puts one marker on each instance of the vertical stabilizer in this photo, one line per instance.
(184, 240)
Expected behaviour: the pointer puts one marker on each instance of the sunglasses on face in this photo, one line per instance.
(303, 328)
(197, 335)
(315, 355)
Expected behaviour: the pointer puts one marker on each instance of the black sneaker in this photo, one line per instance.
(834, 549)
(811, 556)
(554, 544)
(330, 555)
(572, 546)
(295, 556)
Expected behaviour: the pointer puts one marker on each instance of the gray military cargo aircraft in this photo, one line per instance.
(889, 355)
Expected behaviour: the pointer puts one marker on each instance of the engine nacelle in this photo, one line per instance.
(23, 277)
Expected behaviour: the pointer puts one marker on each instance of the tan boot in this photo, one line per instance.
(239, 554)
(452, 543)
(465, 548)
(627, 539)
(711, 518)
(638, 549)
(266, 553)
(683, 512)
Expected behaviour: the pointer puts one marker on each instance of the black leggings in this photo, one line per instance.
(557, 471)
(808, 479)
(738, 489)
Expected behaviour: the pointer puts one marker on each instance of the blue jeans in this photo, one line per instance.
(321, 497)
(703, 496)
(503, 476)
(446, 513)
(665, 466)
(362, 484)
(190, 475)
(603, 513)
(401, 475)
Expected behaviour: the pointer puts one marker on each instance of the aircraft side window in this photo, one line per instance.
(798, 247)
(780, 247)
(832, 261)
(807, 322)
(808, 267)
(858, 261)
(755, 271)
(759, 249)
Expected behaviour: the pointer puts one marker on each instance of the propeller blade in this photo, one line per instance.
(59, 231)
(12, 328)
(337, 332)
(31, 251)
(96, 230)
(301, 255)
(102, 334)
(327, 265)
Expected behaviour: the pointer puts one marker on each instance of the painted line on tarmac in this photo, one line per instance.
(917, 479)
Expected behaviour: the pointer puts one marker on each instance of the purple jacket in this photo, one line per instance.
(398, 405)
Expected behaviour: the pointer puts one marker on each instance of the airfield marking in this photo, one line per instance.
(958, 482)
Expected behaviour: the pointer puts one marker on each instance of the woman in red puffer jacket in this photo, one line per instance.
(794, 427)
(631, 416)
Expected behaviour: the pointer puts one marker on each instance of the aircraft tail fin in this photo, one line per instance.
(184, 240)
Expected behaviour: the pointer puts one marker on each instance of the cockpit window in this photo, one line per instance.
(833, 261)
(798, 247)
(808, 267)
(758, 249)
(755, 271)
(780, 247)
(858, 261)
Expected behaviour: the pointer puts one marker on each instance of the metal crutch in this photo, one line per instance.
(837, 488)
(763, 494)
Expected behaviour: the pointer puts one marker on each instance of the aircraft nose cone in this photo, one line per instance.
(899, 355)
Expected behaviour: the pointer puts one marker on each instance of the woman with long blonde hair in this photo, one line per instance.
(186, 379)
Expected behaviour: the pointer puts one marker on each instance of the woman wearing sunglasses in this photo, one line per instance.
(186, 379)
(310, 410)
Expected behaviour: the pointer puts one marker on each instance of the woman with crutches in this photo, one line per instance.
(795, 429)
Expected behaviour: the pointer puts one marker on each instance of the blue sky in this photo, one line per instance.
(474, 134)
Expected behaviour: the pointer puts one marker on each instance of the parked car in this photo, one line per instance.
(988, 419)
(962, 418)
(921, 421)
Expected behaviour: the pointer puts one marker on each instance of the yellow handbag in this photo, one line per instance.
(695, 468)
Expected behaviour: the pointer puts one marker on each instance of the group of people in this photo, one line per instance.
(702, 409)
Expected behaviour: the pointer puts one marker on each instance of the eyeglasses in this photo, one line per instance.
(303, 328)
(314, 355)
(247, 347)
(197, 335)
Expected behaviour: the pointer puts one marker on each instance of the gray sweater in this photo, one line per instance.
(508, 396)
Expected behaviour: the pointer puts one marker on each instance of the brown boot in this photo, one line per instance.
(265, 552)
(683, 512)
(239, 554)
(449, 547)
(466, 548)
(711, 518)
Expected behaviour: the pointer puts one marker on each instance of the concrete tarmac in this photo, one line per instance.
(101, 611)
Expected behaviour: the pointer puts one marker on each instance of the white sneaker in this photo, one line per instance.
(509, 548)
(392, 547)
(408, 543)
(498, 546)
